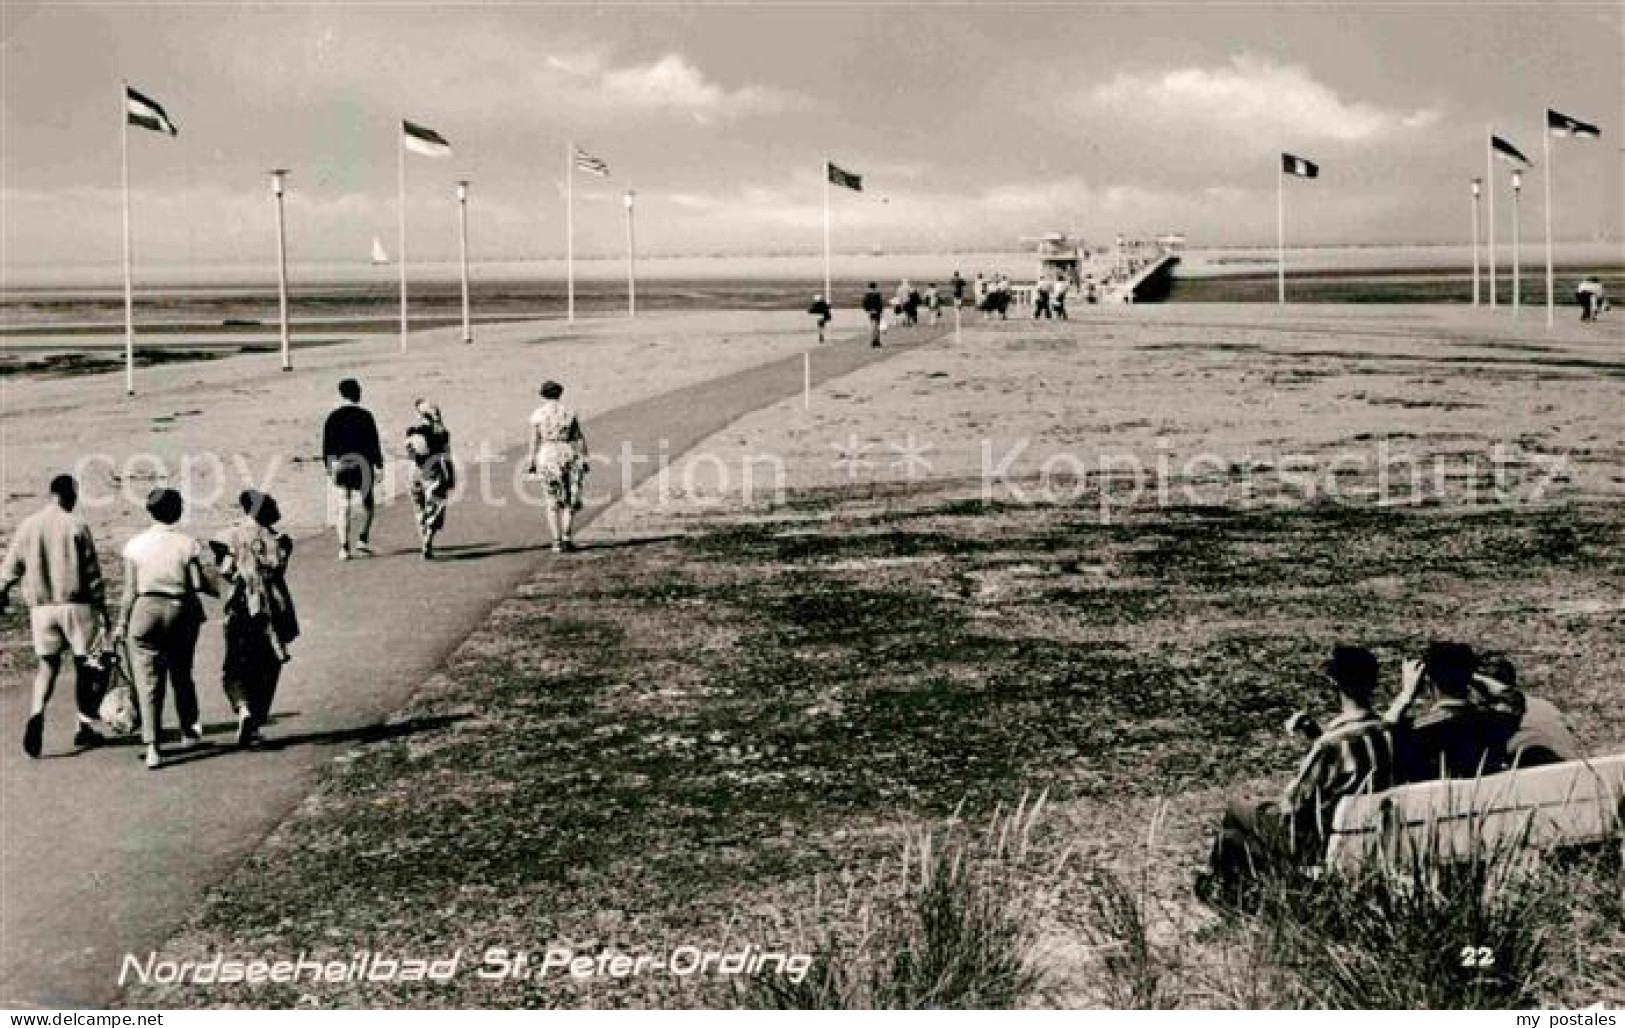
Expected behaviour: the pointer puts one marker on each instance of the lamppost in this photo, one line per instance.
(1478, 190)
(631, 261)
(277, 175)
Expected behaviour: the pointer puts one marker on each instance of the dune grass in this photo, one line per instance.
(702, 740)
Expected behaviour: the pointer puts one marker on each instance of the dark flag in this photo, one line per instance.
(1298, 166)
(147, 113)
(1509, 153)
(1563, 125)
(845, 179)
(425, 141)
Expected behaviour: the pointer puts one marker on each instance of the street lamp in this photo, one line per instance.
(277, 176)
(462, 235)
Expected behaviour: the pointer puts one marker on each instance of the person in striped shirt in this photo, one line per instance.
(1352, 754)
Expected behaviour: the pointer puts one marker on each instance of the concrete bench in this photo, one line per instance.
(1581, 802)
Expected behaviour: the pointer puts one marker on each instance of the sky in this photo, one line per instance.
(973, 125)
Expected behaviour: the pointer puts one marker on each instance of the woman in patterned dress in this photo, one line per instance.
(558, 456)
(428, 442)
(259, 617)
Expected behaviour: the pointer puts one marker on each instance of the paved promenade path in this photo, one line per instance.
(100, 857)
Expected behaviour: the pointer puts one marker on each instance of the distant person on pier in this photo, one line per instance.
(911, 305)
(821, 312)
(933, 302)
(1041, 295)
(874, 305)
(981, 295)
(958, 285)
(353, 456)
(1063, 285)
(54, 556)
(1589, 294)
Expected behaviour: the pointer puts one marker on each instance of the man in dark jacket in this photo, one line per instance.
(1439, 732)
(874, 305)
(353, 456)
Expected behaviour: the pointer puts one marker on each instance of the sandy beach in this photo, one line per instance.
(216, 427)
(1200, 398)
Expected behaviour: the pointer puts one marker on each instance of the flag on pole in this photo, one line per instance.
(1574, 128)
(1509, 153)
(1299, 167)
(591, 165)
(146, 112)
(844, 179)
(425, 141)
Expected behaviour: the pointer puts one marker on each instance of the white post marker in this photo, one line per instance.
(1478, 189)
(1489, 186)
(462, 253)
(631, 260)
(806, 379)
(277, 175)
(956, 323)
(569, 233)
(129, 289)
(1517, 286)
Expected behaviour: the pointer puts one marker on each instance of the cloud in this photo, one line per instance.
(1251, 95)
(668, 83)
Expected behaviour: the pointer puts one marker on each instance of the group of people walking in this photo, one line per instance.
(167, 574)
(905, 305)
(353, 456)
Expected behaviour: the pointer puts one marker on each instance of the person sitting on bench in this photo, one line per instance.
(1439, 732)
(1539, 734)
(1352, 754)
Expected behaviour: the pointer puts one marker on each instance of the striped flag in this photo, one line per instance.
(1509, 153)
(1299, 167)
(1563, 125)
(147, 112)
(425, 141)
(843, 178)
(591, 165)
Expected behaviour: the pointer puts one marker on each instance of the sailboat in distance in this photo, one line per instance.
(379, 256)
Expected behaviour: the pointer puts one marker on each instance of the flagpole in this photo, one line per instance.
(1517, 191)
(1547, 211)
(400, 145)
(1489, 187)
(828, 296)
(281, 267)
(129, 290)
(1280, 235)
(569, 232)
(1477, 192)
(631, 261)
